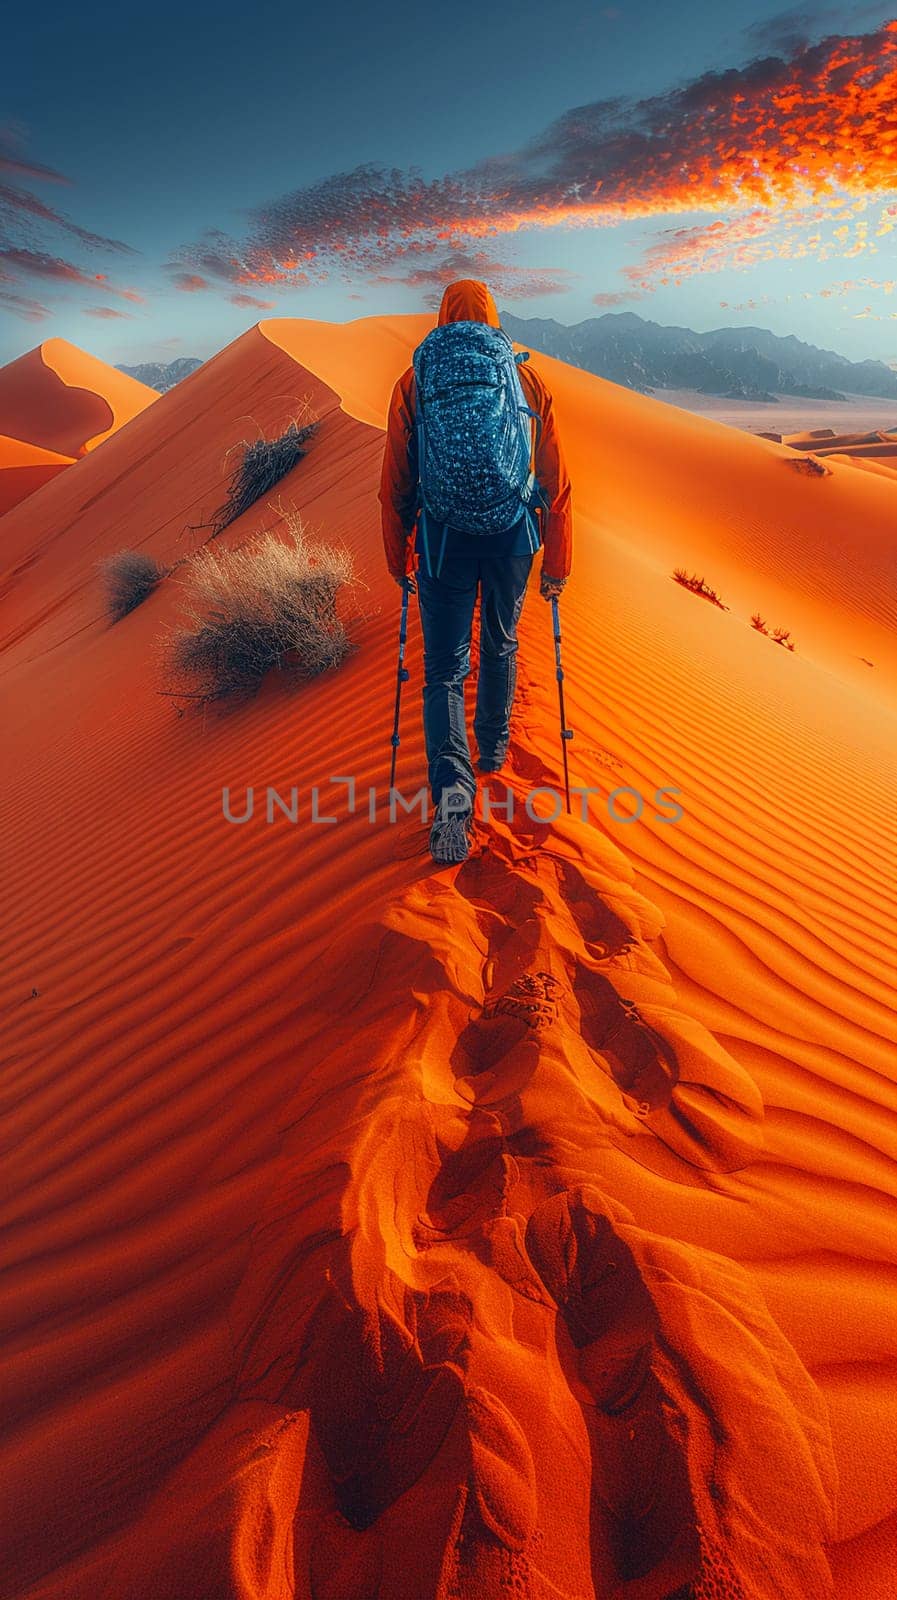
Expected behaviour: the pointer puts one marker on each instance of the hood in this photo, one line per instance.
(468, 300)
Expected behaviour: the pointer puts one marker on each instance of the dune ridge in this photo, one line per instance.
(58, 398)
(581, 1154)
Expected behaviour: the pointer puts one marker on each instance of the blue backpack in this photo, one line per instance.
(475, 442)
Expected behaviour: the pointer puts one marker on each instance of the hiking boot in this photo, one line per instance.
(450, 833)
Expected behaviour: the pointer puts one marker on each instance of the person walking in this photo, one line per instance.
(473, 484)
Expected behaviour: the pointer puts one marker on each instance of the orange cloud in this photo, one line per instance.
(40, 264)
(190, 282)
(250, 300)
(779, 143)
(512, 282)
(24, 218)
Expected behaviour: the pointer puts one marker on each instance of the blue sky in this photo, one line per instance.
(170, 176)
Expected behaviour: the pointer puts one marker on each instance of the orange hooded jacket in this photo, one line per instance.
(470, 301)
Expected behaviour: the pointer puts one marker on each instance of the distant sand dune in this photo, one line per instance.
(63, 403)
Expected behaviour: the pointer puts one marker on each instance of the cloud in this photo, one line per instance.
(23, 306)
(854, 285)
(507, 281)
(190, 282)
(30, 232)
(219, 257)
(27, 169)
(250, 300)
(793, 29)
(753, 304)
(39, 264)
(615, 297)
(775, 139)
(103, 312)
(678, 253)
(20, 209)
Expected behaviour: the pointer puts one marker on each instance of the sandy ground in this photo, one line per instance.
(855, 414)
(526, 1227)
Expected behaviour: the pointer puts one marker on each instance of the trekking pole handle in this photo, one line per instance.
(557, 636)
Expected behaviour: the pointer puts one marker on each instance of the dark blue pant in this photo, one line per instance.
(447, 606)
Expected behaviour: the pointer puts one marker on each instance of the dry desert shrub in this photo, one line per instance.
(129, 577)
(812, 465)
(270, 604)
(699, 586)
(262, 464)
(780, 636)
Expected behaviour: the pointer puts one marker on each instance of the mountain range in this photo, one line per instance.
(738, 363)
(162, 375)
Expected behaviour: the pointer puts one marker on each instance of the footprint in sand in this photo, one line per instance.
(641, 1061)
(550, 934)
(643, 1513)
(386, 1385)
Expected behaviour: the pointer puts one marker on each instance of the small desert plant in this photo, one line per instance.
(262, 465)
(783, 636)
(699, 586)
(129, 577)
(759, 623)
(270, 604)
(810, 464)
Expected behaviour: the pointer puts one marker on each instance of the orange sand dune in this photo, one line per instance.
(677, 489)
(882, 451)
(875, 451)
(62, 399)
(23, 468)
(820, 439)
(885, 465)
(521, 1228)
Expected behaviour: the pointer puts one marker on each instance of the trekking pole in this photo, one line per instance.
(566, 733)
(402, 676)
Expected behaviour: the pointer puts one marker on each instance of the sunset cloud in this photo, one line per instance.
(792, 29)
(23, 306)
(250, 300)
(9, 162)
(791, 139)
(19, 209)
(30, 233)
(511, 282)
(39, 264)
(855, 286)
(103, 312)
(679, 252)
(615, 297)
(190, 282)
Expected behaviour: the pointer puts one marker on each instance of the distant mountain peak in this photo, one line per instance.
(162, 375)
(740, 363)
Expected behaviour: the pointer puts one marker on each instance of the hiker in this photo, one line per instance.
(473, 483)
